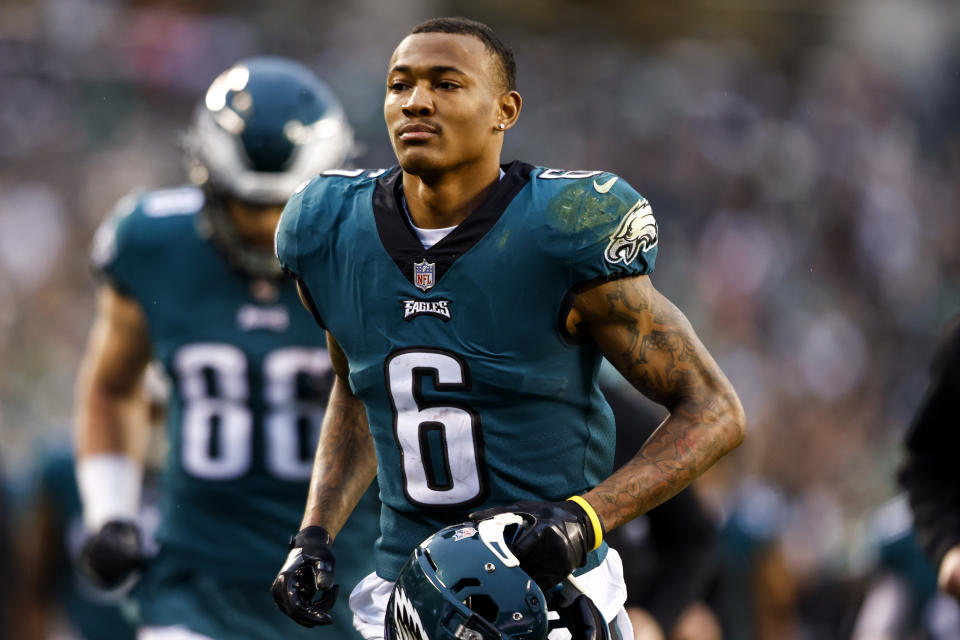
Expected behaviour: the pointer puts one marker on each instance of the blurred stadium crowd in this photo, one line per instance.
(803, 160)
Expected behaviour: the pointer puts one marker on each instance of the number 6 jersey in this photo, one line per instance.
(250, 377)
(475, 395)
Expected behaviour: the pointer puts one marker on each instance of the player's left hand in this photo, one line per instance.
(307, 572)
(554, 540)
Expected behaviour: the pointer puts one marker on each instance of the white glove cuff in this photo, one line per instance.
(109, 486)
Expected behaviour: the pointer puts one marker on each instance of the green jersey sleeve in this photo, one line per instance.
(134, 240)
(307, 224)
(114, 243)
(286, 242)
(120, 248)
(616, 234)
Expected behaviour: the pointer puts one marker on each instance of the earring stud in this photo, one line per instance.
(501, 125)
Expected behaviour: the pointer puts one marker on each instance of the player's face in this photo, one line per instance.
(443, 102)
(255, 224)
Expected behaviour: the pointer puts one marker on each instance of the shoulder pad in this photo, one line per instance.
(138, 221)
(325, 180)
(595, 183)
(601, 210)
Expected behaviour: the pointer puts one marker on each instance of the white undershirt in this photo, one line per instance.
(430, 237)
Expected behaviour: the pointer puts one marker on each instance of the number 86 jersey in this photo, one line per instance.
(475, 394)
(250, 378)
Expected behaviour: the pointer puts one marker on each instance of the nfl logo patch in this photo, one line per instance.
(423, 274)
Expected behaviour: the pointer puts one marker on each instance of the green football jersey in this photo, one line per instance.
(475, 394)
(250, 377)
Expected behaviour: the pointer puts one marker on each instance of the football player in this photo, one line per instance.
(192, 281)
(468, 305)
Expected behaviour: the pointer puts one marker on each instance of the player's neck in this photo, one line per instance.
(445, 200)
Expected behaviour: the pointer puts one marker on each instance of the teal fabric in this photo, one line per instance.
(249, 381)
(173, 593)
(516, 407)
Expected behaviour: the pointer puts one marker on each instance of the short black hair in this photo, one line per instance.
(468, 27)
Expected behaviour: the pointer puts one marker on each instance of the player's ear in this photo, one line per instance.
(509, 110)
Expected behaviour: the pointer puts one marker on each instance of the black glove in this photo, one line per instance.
(554, 540)
(307, 572)
(112, 555)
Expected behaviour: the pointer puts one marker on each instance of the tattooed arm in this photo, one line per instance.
(345, 463)
(653, 345)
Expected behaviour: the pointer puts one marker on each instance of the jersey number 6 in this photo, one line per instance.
(441, 445)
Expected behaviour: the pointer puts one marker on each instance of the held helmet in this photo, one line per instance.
(265, 126)
(464, 583)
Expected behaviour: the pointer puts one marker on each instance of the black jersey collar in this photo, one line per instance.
(401, 241)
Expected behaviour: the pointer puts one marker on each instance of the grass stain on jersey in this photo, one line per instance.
(578, 208)
(504, 238)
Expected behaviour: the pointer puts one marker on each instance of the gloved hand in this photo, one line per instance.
(112, 555)
(307, 572)
(554, 540)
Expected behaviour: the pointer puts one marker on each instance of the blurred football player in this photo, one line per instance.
(467, 306)
(191, 280)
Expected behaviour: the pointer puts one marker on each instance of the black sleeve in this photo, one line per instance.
(672, 564)
(930, 473)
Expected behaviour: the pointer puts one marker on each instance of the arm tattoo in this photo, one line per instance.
(653, 345)
(345, 463)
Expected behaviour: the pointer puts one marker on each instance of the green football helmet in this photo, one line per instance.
(464, 583)
(265, 126)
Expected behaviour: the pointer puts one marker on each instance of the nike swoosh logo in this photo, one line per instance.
(603, 188)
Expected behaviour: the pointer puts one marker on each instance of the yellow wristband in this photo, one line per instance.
(594, 519)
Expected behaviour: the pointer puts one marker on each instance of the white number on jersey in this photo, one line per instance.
(217, 423)
(354, 173)
(559, 174)
(456, 427)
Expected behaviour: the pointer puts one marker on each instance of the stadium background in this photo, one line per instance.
(801, 157)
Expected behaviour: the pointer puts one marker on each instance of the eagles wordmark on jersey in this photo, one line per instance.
(475, 392)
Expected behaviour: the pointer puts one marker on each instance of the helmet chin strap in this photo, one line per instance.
(491, 533)
(578, 613)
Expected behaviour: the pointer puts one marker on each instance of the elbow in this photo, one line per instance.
(736, 418)
(727, 414)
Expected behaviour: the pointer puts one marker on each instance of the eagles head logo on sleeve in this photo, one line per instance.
(636, 232)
